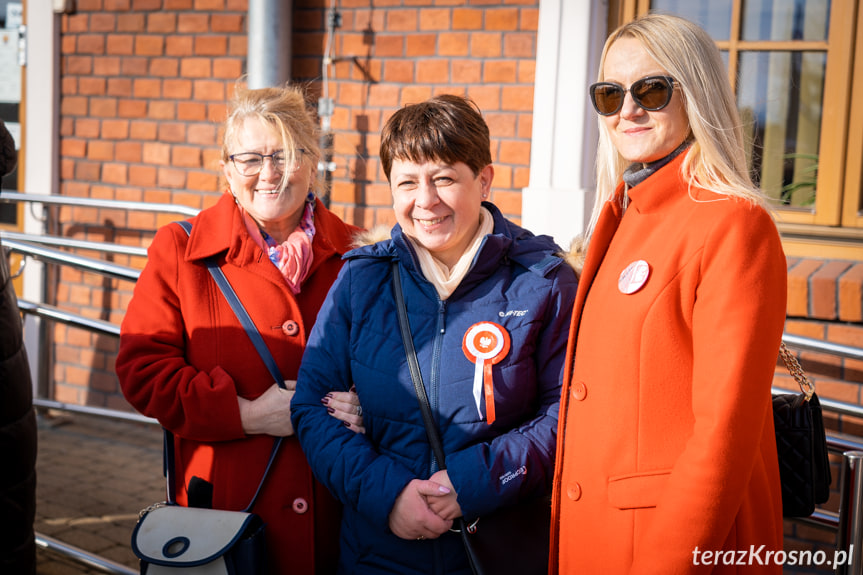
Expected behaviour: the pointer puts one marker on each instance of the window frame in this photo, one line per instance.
(852, 208)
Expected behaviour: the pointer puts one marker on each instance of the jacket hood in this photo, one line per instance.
(538, 254)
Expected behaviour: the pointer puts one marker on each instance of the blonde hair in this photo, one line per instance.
(716, 160)
(286, 111)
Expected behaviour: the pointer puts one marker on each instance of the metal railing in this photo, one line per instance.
(847, 523)
(11, 197)
(36, 247)
(83, 557)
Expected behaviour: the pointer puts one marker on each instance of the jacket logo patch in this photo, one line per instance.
(512, 313)
(510, 475)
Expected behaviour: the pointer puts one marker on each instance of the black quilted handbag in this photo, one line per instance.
(512, 539)
(801, 443)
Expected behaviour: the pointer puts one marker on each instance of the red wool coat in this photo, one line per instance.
(184, 358)
(666, 445)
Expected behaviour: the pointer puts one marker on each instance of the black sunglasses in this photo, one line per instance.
(651, 93)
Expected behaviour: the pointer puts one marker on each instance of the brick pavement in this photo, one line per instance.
(93, 476)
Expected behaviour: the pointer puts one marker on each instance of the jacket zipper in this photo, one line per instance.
(434, 401)
(434, 386)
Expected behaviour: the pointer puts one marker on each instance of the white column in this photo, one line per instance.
(41, 162)
(559, 196)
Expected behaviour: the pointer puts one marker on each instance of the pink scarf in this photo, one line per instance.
(293, 257)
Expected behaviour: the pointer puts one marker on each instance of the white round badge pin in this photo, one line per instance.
(633, 277)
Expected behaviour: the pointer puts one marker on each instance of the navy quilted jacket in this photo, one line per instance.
(516, 281)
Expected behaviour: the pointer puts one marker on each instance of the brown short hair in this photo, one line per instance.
(447, 127)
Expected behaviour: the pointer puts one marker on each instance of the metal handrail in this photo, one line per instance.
(809, 344)
(99, 203)
(840, 407)
(82, 556)
(94, 410)
(838, 443)
(76, 320)
(822, 518)
(76, 261)
(74, 244)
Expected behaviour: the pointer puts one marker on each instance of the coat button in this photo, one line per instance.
(579, 391)
(573, 491)
(300, 505)
(290, 327)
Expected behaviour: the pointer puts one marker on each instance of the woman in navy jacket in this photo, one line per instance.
(469, 276)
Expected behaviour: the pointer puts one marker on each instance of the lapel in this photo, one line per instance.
(606, 226)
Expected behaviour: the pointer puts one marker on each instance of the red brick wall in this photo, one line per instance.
(143, 91)
(143, 88)
(393, 53)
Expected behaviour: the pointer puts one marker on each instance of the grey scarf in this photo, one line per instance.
(638, 172)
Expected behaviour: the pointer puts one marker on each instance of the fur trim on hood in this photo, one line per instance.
(376, 234)
(575, 256)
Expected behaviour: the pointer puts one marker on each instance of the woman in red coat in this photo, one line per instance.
(666, 457)
(185, 359)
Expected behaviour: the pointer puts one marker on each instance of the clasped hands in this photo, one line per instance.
(425, 509)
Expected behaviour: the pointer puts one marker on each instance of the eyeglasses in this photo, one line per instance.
(651, 93)
(251, 163)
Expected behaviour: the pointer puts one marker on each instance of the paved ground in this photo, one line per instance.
(93, 476)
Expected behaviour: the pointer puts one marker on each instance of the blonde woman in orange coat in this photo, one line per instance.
(666, 459)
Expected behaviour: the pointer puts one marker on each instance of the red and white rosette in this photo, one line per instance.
(485, 343)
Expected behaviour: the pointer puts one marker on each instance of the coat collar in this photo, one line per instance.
(220, 230)
(666, 186)
(658, 190)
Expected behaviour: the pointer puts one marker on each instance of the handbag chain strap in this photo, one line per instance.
(246, 320)
(806, 386)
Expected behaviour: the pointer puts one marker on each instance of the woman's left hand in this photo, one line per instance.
(270, 413)
(446, 504)
(345, 406)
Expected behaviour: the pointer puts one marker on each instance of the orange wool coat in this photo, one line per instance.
(184, 358)
(666, 444)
